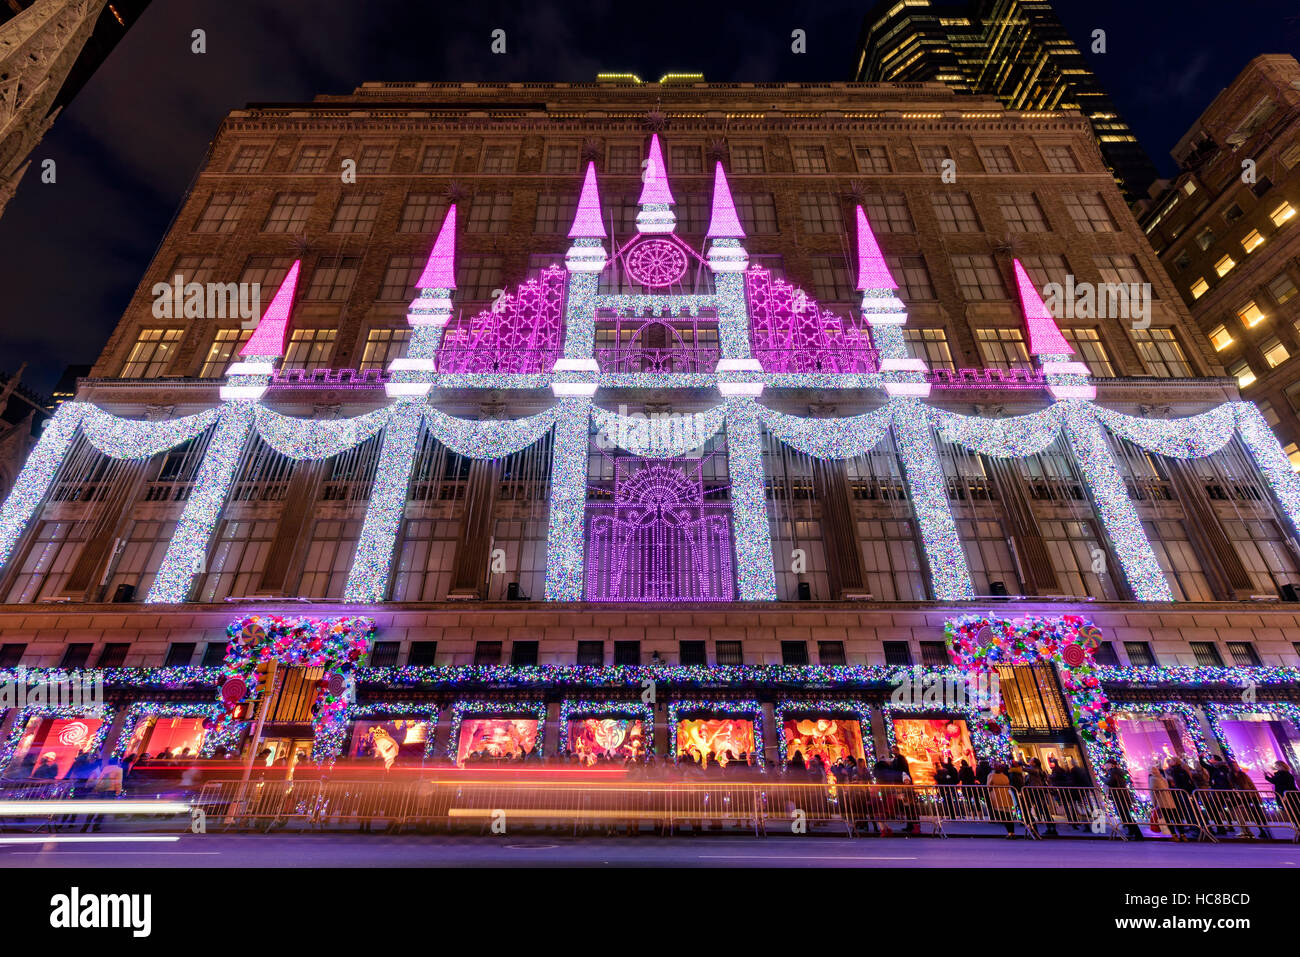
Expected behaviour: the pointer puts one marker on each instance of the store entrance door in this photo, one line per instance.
(285, 753)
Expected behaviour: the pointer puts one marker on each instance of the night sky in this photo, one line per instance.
(129, 145)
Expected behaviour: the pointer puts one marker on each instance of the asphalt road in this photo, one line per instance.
(379, 850)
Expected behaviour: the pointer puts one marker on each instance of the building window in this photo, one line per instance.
(312, 159)
(757, 212)
(439, 158)
(830, 653)
(1207, 654)
(400, 277)
(478, 276)
(250, 159)
(978, 277)
(1003, 348)
(955, 213)
(810, 159)
(11, 654)
(1244, 654)
(1022, 213)
(382, 347)
(151, 353)
(872, 159)
(1199, 288)
(561, 159)
(222, 213)
(930, 345)
(627, 653)
(266, 272)
(78, 656)
(686, 160)
(179, 654)
(1087, 343)
(309, 348)
(794, 652)
(422, 213)
(332, 279)
(1282, 288)
(1106, 656)
(1220, 338)
(487, 653)
(997, 159)
(832, 279)
(214, 654)
(384, 654)
(555, 212)
(225, 343)
(1292, 452)
(1161, 352)
(1119, 268)
(897, 653)
(1282, 214)
(113, 654)
(355, 213)
(889, 213)
(1224, 266)
(198, 269)
(1268, 412)
(376, 159)
(490, 213)
(523, 654)
(591, 654)
(288, 213)
(748, 159)
(1046, 268)
(691, 653)
(729, 653)
(422, 653)
(1139, 654)
(624, 160)
(498, 159)
(1182, 261)
(1060, 159)
(693, 213)
(1089, 212)
(820, 213)
(1275, 353)
(934, 654)
(932, 158)
(1252, 241)
(912, 276)
(1243, 373)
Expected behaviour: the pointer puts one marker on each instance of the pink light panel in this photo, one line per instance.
(587, 222)
(872, 271)
(1044, 337)
(524, 336)
(790, 332)
(268, 338)
(656, 188)
(440, 270)
(723, 223)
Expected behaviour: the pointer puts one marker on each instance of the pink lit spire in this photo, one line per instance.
(268, 338)
(587, 221)
(723, 223)
(440, 270)
(872, 271)
(656, 188)
(1044, 337)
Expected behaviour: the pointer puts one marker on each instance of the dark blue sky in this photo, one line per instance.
(129, 145)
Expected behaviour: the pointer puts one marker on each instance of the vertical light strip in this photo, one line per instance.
(1272, 461)
(755, 574)
(580, 313)
(37, 475)
(1119, 517)
(372, 564)
(733, 315)
(189, 545)
(564, 545)
(949, 573)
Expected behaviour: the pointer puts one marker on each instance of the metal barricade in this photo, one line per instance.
(1078, 808)
(975, 804)
(1167, 812)
(1246, 813)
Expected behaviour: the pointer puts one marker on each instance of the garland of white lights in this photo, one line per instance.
(659, 438)
(843, 438)
(1193, 437)
(755, 572)
(120, 438)
(1272, 461)
(1118, 515)
(38, 473)
(314, 439)
(1014, 437)
(372, 564)
(490, 439)
(188, 549)
(949, 573)
(564, 544)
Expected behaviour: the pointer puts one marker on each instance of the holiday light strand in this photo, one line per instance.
(636, 676)
(316, 439)
(825, 708)
(1200, 676)
(1192, 437)
(1273, 463)
(842, 438)
(1014, 437)
(659, 438)
(120, 438)
(571, 708)
(38, 473)
(490, 439)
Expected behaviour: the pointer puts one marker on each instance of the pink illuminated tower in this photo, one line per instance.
(440, 270)
(1066, 379)
(726, 252)
(587, 254)
(267, 340)
(656, 202)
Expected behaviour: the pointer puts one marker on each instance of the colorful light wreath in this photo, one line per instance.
(747, 708)
(162, 709)
(102, 713)
(506, 709)
(817, 707)
(335, 644)
(571, 708)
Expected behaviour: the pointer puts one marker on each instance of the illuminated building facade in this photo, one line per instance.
(1014, 50)
(560, 395)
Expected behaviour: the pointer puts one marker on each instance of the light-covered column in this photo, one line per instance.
(564, 536)
(38, 473)
(1118, 515)
(1273, 463)
(372, 564)
(949, 573)
(755, 574)
(188, 550)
